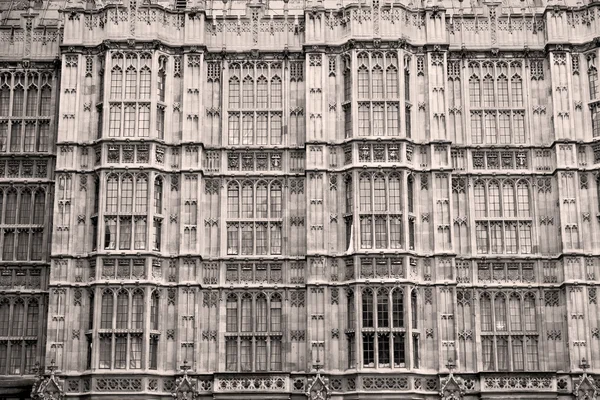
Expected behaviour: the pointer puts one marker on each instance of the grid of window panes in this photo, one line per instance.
(378, 94)
(130, 94)
(389, 317)
(22, 223)
(255, 104)
(20, 325)
(253, 332)
(509, 336)
(120, 327)
(254, 217)
(503, 216)
(497, 103)
(126, 213)
(25, 111)
(381, 205)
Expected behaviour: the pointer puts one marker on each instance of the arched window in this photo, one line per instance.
(494, 199)
(276, 92)
(475, 91)
(486, 313)
(247, 200)
(231, 316)
(10, 217)
(262, 92)
(248, 128)
(31, 108)
(276, 312)
(137, 311)
(367, 308)
(350, 310)
(383, 310)
(410, 194)
(365, 193)
(593, 81)
(18, 97)
(248, 92)
(18, 317)
(514, 305)
(261, 200)
(391, 79)
(479, 194)
(516, 91)
(141, 191)
(126, 194)
(116, 83)
(39, 207)
(1, 205)
(276, 200)
(377, 82)
(162, 79)
(349, 194)
(122, 309)
(154, 311)
(398, 308)
(91, 309)
(508, 199)
(502, 91)
(233, 200)
(488, 91)
(261, 313)
(523, 199)
(363, 82)
(414, 308)
(500, 312)
(112, 185)
(33, 315)
(234, 92)
(394, 193)
(46, 100)
(529, 313)
(4, 96)
(246, 313)
(145, 79)
(106, 315)
(131, 80)
(25, 207)
(379, 193)
(4, 317)
(158, 194)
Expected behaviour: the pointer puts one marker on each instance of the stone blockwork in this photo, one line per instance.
(286, 199)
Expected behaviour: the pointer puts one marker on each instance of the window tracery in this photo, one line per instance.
(253, 334)
(19, 328)
(496, 103)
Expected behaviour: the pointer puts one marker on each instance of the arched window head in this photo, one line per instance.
(367, 308)
(231, 313)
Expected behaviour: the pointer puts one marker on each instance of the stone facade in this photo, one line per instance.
(285, 199)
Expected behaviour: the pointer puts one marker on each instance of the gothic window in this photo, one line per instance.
(130, 76)
(391, 75)
(595, 109)
(382, 326)
(517, 91)
(234, 93)
(261, 92)
(31, 108)
(475, 91)
(258, 320)
(593, 82)
(363, 82)
(502, 91)
(145, 82)
(495, 200)
(127, 202)
(5, 83)
(364, 120)
(162, 77)
(505, 334)
(248, 92)
(488, 91)
(377, 82)
(254, 214)
(158, 195)
(18, 96)
(154, 311)
(116, 82)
